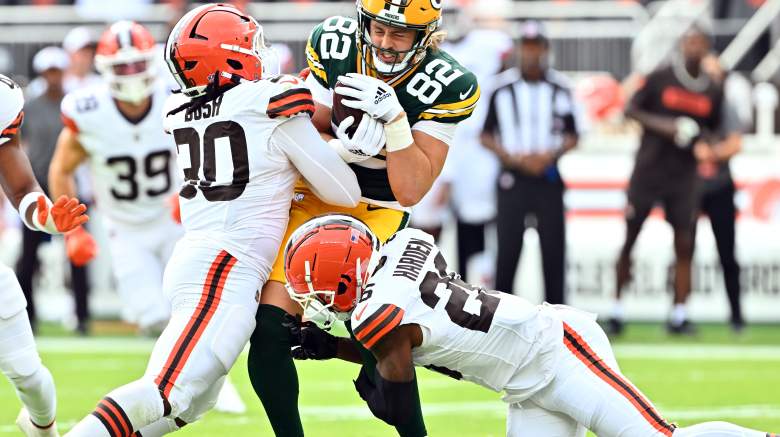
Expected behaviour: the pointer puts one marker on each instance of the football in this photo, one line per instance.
(339, 112)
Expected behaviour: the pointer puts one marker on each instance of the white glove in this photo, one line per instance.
(370, 95)
(368, 139)
(687, 130)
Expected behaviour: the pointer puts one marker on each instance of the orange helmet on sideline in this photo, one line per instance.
(327, 262)
(125, 57)
(215, 42)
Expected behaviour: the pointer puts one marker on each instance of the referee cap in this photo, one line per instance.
(533, 31)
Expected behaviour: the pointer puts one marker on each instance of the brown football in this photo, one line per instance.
(339, 112)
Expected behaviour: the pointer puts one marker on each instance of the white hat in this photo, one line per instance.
(50, 57)
(78, 38)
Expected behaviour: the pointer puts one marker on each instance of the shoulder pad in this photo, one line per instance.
(460, 95)
(289, 96)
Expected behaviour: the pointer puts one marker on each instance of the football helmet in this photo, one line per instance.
(327, 262)
(423, 16)
(125, 58)
(215, 42)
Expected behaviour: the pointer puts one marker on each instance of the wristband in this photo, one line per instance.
(398, 135)
(31, 199)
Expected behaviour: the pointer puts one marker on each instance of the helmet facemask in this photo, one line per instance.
(405, 59)
(130, 73)
(318, 305)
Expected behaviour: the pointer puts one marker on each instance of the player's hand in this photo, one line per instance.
(370, 95)
(703, 152)
(62, 216)
(173, 202)
(368, 139)
(80, 246)
(313, 342)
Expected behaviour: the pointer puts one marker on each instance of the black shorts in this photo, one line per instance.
(679, 198)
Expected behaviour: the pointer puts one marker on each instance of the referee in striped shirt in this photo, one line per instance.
(529, 126)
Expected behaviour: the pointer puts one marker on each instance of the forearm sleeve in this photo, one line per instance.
(327, 174)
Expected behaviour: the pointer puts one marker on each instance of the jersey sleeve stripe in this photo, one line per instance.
(377, 325)
(386, 328)
(462, 104)
(292, 109)
(69, 123)
(429, 116)
(287, 97)
(13, 128)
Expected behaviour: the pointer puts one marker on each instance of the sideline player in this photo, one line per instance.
(554, 363)
(390, 64)
(19, 360)
(242, 140)
(117, 127)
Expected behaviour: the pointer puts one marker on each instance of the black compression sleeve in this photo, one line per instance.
(390, 401)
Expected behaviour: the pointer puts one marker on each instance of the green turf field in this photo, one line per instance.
(715, 376)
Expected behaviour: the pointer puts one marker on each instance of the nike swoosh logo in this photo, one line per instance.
(360, 313)
(374, 208)
(468, 91)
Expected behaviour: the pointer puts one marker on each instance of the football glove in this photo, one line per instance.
(80, 246)
(313, 342)
(370, 95)
(59, 217)
(686, 130)
(367, 141)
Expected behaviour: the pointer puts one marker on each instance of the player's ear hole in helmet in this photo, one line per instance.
(421, 16)
(327, 263)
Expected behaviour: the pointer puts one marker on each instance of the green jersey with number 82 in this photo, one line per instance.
(436, 90)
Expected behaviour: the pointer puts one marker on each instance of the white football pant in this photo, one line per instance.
(19, 360)
(139, 256)
(213, 315)
(589, 392)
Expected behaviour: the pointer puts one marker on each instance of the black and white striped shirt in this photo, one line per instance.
(531, 116)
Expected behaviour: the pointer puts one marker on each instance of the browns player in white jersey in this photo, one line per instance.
(553, 363)
(19, 360)
(242, 141)
(116, 126)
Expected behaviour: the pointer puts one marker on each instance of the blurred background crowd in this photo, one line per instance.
(536, 195)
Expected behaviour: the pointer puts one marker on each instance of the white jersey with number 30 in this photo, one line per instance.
(240, 163)
(490, 338)
(130, 160)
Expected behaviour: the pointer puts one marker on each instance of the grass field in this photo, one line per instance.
(715, 376)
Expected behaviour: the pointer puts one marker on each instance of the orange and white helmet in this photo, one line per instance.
(327, 262)
(125, 58)
(216, 43)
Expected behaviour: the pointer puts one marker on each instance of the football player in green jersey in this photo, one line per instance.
(388, 65)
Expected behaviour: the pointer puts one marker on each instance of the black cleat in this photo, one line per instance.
(684, 328)
(615, 327)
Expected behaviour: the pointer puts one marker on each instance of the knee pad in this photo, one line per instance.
(144, 396)
(33, 381)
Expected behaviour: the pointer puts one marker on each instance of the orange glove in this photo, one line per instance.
(64, 215)
(173, 202)
(80, 246)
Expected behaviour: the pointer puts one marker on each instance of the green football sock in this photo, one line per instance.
(272, 371)
(416, 426)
